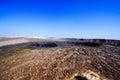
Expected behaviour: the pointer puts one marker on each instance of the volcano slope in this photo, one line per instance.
(60, 61)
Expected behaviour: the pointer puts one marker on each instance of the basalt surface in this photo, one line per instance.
(60, 61)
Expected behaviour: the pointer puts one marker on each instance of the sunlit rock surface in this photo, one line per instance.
(61, 60)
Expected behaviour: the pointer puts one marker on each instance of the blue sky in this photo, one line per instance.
(60, 18)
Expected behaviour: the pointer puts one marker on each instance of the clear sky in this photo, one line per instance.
(60, 18)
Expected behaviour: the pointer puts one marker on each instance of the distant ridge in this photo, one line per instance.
(103, 41)
(11, 40)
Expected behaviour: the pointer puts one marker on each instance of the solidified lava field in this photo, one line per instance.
(60, 60)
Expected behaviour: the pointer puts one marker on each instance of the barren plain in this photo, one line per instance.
(59, 59)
